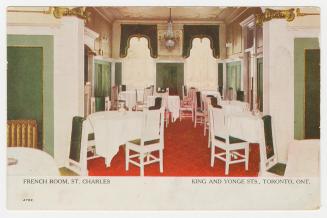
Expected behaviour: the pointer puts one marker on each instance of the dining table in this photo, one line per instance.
(113, 129)
(171, 102)
(248, 127)
(24, 161)
(234, 106)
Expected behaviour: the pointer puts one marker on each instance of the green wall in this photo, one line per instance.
(30, 46)
(300, 44)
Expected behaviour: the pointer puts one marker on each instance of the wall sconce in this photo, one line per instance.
(228, 44)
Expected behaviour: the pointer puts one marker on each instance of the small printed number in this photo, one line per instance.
(27, 199)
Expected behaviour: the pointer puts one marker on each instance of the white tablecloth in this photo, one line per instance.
(248, 127)
(173, 105)
(231, 107)
(112, 129)
(31, 162)
(214, 93)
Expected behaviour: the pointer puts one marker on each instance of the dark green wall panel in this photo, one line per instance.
(24, 85)
(44, 43)
(118, 73)
(300, 45)
(170, 75)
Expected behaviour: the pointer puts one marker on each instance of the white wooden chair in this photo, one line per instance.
(152, 139)
(198, 109)
(220, 138)
(206, 103)
(184, 91)
(147, 92)
(186, 110)
(80, 146)
(165, 104)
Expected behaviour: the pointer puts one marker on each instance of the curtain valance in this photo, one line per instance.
(138, 30)
(201, 31)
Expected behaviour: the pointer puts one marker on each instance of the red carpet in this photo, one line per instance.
(186, 153)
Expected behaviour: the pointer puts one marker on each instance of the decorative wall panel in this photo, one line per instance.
(137, 30)
(201, 31)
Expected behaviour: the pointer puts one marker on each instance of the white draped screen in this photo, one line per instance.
(201, 68)
(138, 66)
(139, 69)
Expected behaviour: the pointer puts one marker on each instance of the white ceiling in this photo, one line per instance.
(178, 13)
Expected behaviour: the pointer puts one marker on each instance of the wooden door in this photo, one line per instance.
(312, 94)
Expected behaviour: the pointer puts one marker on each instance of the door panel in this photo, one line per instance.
(260, 83)
(170, 75)
(312, 94)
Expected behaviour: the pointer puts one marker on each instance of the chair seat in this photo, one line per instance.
(150, 142)
(232, 140)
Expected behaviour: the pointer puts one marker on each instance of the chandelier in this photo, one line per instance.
(169, 35)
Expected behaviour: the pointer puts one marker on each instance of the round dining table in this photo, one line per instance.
(23, 161)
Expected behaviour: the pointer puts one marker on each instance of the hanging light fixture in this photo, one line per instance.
(169, 35)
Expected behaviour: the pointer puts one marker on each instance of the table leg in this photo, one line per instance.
(107, 162)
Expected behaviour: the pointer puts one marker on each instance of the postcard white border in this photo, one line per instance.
(321, 212)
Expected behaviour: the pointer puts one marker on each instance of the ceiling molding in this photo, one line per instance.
(101, 13)
(157, 13)
(235, 15)
(174, 21)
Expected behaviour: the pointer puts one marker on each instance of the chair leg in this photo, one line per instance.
(142, 164)
(127, 159)
(247, 157)
(227, 162)
(161, 160)
(192, 116)
(209, 137)
(212, 155)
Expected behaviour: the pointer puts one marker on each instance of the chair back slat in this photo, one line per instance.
(218, 123)
(153, 123)
(76, 138)
(268, 136)
(198, 99)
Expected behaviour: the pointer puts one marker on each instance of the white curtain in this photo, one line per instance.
(201, 68)
(138, 66)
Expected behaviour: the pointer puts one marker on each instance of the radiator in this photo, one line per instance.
(22, 133)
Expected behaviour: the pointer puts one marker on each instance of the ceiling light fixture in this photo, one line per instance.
(169, 35)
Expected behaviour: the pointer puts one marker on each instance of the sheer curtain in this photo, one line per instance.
(233, 76)
(138, 70)
(201, 69)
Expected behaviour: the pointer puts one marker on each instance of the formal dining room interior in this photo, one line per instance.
(163, 91)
